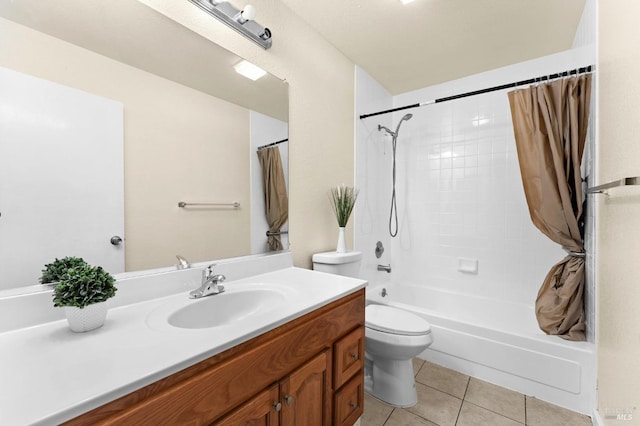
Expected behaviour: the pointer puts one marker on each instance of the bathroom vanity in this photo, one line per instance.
(308, 371)
(295, 359)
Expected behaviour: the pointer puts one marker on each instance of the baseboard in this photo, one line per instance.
(595, 418)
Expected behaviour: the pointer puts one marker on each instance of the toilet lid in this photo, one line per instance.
(395, 321)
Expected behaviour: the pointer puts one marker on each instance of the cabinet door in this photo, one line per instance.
(348, 405)
(261, 410)
(305, 394)
(348, 356)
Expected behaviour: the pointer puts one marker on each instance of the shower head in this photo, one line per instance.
(406, 117)
(391, 132)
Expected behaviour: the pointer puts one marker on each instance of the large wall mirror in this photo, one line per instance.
(185, 127)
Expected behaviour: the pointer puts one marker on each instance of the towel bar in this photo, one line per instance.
(628, 181)
(234, 204)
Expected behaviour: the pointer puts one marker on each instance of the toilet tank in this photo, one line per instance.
(346, 264)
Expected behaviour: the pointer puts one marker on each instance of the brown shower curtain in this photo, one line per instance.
(276, 204)
(550, 125)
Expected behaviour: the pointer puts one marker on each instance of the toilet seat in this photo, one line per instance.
(391, 320)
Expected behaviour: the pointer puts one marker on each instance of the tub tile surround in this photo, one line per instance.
(134, 348)
(460, 196)
(481, 404)
(459, 191)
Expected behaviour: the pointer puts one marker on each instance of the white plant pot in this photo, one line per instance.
(342, 243)
(88, 318)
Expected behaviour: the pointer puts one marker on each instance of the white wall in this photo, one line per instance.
(586, 37)
(459, 188)
(618, 240)
(373, 177)
(265, 130)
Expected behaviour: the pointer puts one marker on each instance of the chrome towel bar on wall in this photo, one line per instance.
(234, 204)
(628, 181)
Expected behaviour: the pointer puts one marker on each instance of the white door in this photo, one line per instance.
(61, 177)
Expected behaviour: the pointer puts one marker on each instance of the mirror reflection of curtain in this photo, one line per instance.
(550, 125)
(275, 194)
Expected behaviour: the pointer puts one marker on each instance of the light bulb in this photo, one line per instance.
(249, 70)
(247, 14)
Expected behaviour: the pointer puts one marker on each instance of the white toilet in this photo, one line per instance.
(392, 338)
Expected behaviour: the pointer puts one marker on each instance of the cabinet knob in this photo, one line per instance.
(115, 240)
(277, 406)
(354, 356)
(353, 405)
(288, 399)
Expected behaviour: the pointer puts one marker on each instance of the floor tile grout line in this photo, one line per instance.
(389, 416)
(444, 392)
(526, 421)
(462, 402)
(495, 412)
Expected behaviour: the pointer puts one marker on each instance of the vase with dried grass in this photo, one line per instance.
(342, 198)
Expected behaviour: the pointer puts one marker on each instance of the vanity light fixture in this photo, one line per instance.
(240, 20)
(249, 70)
(406, 1)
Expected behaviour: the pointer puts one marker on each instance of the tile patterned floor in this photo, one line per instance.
(449, 398)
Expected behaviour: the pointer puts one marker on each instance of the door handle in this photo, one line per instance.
(116, 240)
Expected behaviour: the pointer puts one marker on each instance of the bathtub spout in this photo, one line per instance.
(386, 268)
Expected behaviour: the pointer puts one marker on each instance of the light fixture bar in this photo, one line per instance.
(226, 13)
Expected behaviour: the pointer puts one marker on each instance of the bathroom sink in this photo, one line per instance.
(226, 308)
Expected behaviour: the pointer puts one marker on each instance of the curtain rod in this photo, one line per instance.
(576, 71)
(272, 144)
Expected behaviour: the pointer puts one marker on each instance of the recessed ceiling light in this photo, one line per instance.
(247, 69)
(406, 1)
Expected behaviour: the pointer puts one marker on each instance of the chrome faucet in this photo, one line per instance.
(210, 284)
(182, 262)
(386, 268)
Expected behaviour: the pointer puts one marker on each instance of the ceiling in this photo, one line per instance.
(407, 47)
(152, 42)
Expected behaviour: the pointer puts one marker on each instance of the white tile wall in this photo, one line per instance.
(459, 189)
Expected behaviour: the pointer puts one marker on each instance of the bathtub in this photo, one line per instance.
(498, 342)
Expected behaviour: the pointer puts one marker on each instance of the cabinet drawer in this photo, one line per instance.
(348, 403)
(348, 357)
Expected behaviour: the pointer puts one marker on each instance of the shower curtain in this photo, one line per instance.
(550, 125)
(276, 204)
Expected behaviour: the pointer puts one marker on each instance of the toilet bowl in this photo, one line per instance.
(392, 338)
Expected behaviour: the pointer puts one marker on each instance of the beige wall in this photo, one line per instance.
(618, 233)
(321, 105)
(180, 144)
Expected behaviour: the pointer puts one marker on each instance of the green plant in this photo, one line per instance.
(53, 271)
(342, 199)
(84, 285)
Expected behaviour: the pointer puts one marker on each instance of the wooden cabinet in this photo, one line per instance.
(348, 378)
(306, 372)
(263, 409)
(298, 399)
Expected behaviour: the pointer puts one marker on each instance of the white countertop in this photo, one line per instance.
(48, 374)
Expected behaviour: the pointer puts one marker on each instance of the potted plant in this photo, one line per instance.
(82, 290)
(342, 198)
(53, 271)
